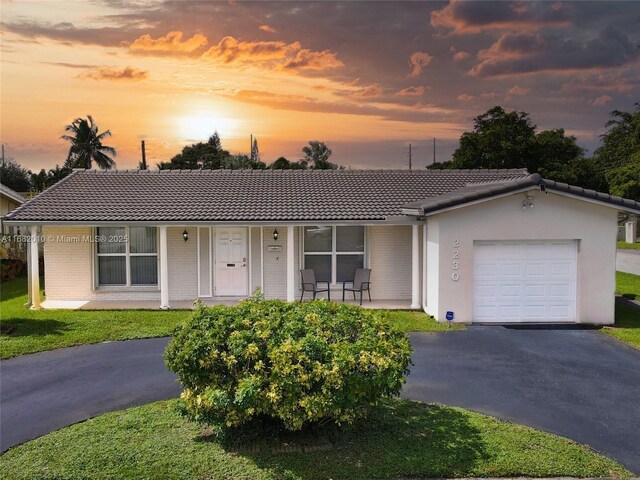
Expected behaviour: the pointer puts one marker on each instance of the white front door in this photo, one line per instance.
(524, 281)
(231, 272)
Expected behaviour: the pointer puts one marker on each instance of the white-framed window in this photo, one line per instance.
(127, 256)
(334, 253)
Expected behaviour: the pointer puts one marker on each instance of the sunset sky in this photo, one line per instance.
(366, 78)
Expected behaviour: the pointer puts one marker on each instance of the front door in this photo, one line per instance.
(230, 276)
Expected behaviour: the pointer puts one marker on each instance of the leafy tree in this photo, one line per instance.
(86, 145)
(281, 163)
(509, 140)
(619, 155)
(42, 180)
(498, 140)
(242, 162)
(209, 154)
(14, 176)
(317, 154)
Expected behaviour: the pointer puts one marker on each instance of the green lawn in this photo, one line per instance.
(628, 285)
(629, 246)
(38, 330)
(627, 327)
(400, 439)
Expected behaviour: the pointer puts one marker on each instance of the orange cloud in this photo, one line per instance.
(474, 17)
(465, 97)
(115, 74)
(418, 61)
(267, 28)
(371, 91)
(171, 43)
(410, 92)
(459, 56)
(229, 49)
(306, 59)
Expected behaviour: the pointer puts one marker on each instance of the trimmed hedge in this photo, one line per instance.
(297, 363)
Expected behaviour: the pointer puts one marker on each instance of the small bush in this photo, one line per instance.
(11, 268)
(296, 363)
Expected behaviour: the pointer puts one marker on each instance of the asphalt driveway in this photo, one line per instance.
(577, 383)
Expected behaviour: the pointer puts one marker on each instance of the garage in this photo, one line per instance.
(524, 281)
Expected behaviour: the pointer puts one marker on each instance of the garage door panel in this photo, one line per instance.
(526, 281)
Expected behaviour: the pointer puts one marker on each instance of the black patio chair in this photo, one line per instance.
(309, 284)
(361, 283)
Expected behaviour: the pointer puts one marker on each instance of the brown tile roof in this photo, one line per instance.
(484, 190)
(243, 195)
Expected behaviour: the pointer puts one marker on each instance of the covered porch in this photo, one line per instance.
(187, 305)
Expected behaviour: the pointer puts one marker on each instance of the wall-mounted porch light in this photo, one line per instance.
(275, 234)
(185, 235)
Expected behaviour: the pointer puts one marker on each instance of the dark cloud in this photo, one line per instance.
(68, 33)
(472, 17)
(516, 54)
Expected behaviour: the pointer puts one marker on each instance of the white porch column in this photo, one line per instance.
(630, 231)
(415, 266)
(424, 266)
(291, 273)
(34, 270)
(164, 270)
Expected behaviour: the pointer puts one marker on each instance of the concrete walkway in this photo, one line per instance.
(628, 261)
(577, 383)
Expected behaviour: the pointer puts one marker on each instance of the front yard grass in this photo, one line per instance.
(400, 439)
(627, 327)
(38, 330)
(31, 331)
(628, 246)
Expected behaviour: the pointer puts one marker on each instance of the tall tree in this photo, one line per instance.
(498, 140)
(509, 140)
(619, 155)
(209, 155)
(255, 152)
(317, 155)
(14, 176)
(86, 145)
(42, 180)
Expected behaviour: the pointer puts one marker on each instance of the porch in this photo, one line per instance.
(187, 305)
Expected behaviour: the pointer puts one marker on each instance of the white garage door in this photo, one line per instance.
(524, 281)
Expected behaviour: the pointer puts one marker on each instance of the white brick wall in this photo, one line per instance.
(67, 266)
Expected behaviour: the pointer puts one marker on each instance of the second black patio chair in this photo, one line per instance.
(361, 283)
(309, 284)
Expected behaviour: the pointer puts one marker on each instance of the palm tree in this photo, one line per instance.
(86, 145)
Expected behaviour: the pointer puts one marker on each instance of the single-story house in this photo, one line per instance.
(488, 246)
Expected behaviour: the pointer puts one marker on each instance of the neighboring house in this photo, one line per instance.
(487, 245)
(9, 201)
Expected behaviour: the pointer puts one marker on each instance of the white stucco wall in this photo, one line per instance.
(554, 217)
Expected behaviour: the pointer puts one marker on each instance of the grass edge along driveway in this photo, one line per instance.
(40, 330)
(399, 439)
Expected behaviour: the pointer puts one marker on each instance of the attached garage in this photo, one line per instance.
(523, 251)
(524, 281)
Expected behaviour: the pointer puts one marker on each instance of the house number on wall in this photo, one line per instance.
(455, 265)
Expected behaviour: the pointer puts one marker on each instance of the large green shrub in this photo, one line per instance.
(297, 363)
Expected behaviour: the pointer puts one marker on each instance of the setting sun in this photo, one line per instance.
(200, 126)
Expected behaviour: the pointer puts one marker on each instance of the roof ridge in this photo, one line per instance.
(310, 171)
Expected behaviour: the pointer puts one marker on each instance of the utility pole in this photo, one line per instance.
(3, 154)
(410, 159)
(143, 165)
(434, 149)
(251, 147)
